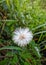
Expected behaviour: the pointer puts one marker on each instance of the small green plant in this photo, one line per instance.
(21, 14)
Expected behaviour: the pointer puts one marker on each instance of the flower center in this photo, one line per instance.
(22, 36)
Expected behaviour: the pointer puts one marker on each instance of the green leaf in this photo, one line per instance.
(11, 48)
(35, 49)
(27, 63)
(14, 60)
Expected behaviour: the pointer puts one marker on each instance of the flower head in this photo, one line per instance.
(22, 36)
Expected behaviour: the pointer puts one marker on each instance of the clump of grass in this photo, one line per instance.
(17, 13)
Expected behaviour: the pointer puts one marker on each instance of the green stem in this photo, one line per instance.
(40, 37)
(3, 27)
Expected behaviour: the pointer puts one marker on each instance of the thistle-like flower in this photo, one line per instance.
(22, 36)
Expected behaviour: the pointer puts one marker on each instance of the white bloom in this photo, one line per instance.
(22, 36)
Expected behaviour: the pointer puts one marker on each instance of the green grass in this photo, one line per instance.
(18, 13)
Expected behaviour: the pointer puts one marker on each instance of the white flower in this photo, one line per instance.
(22, 36)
